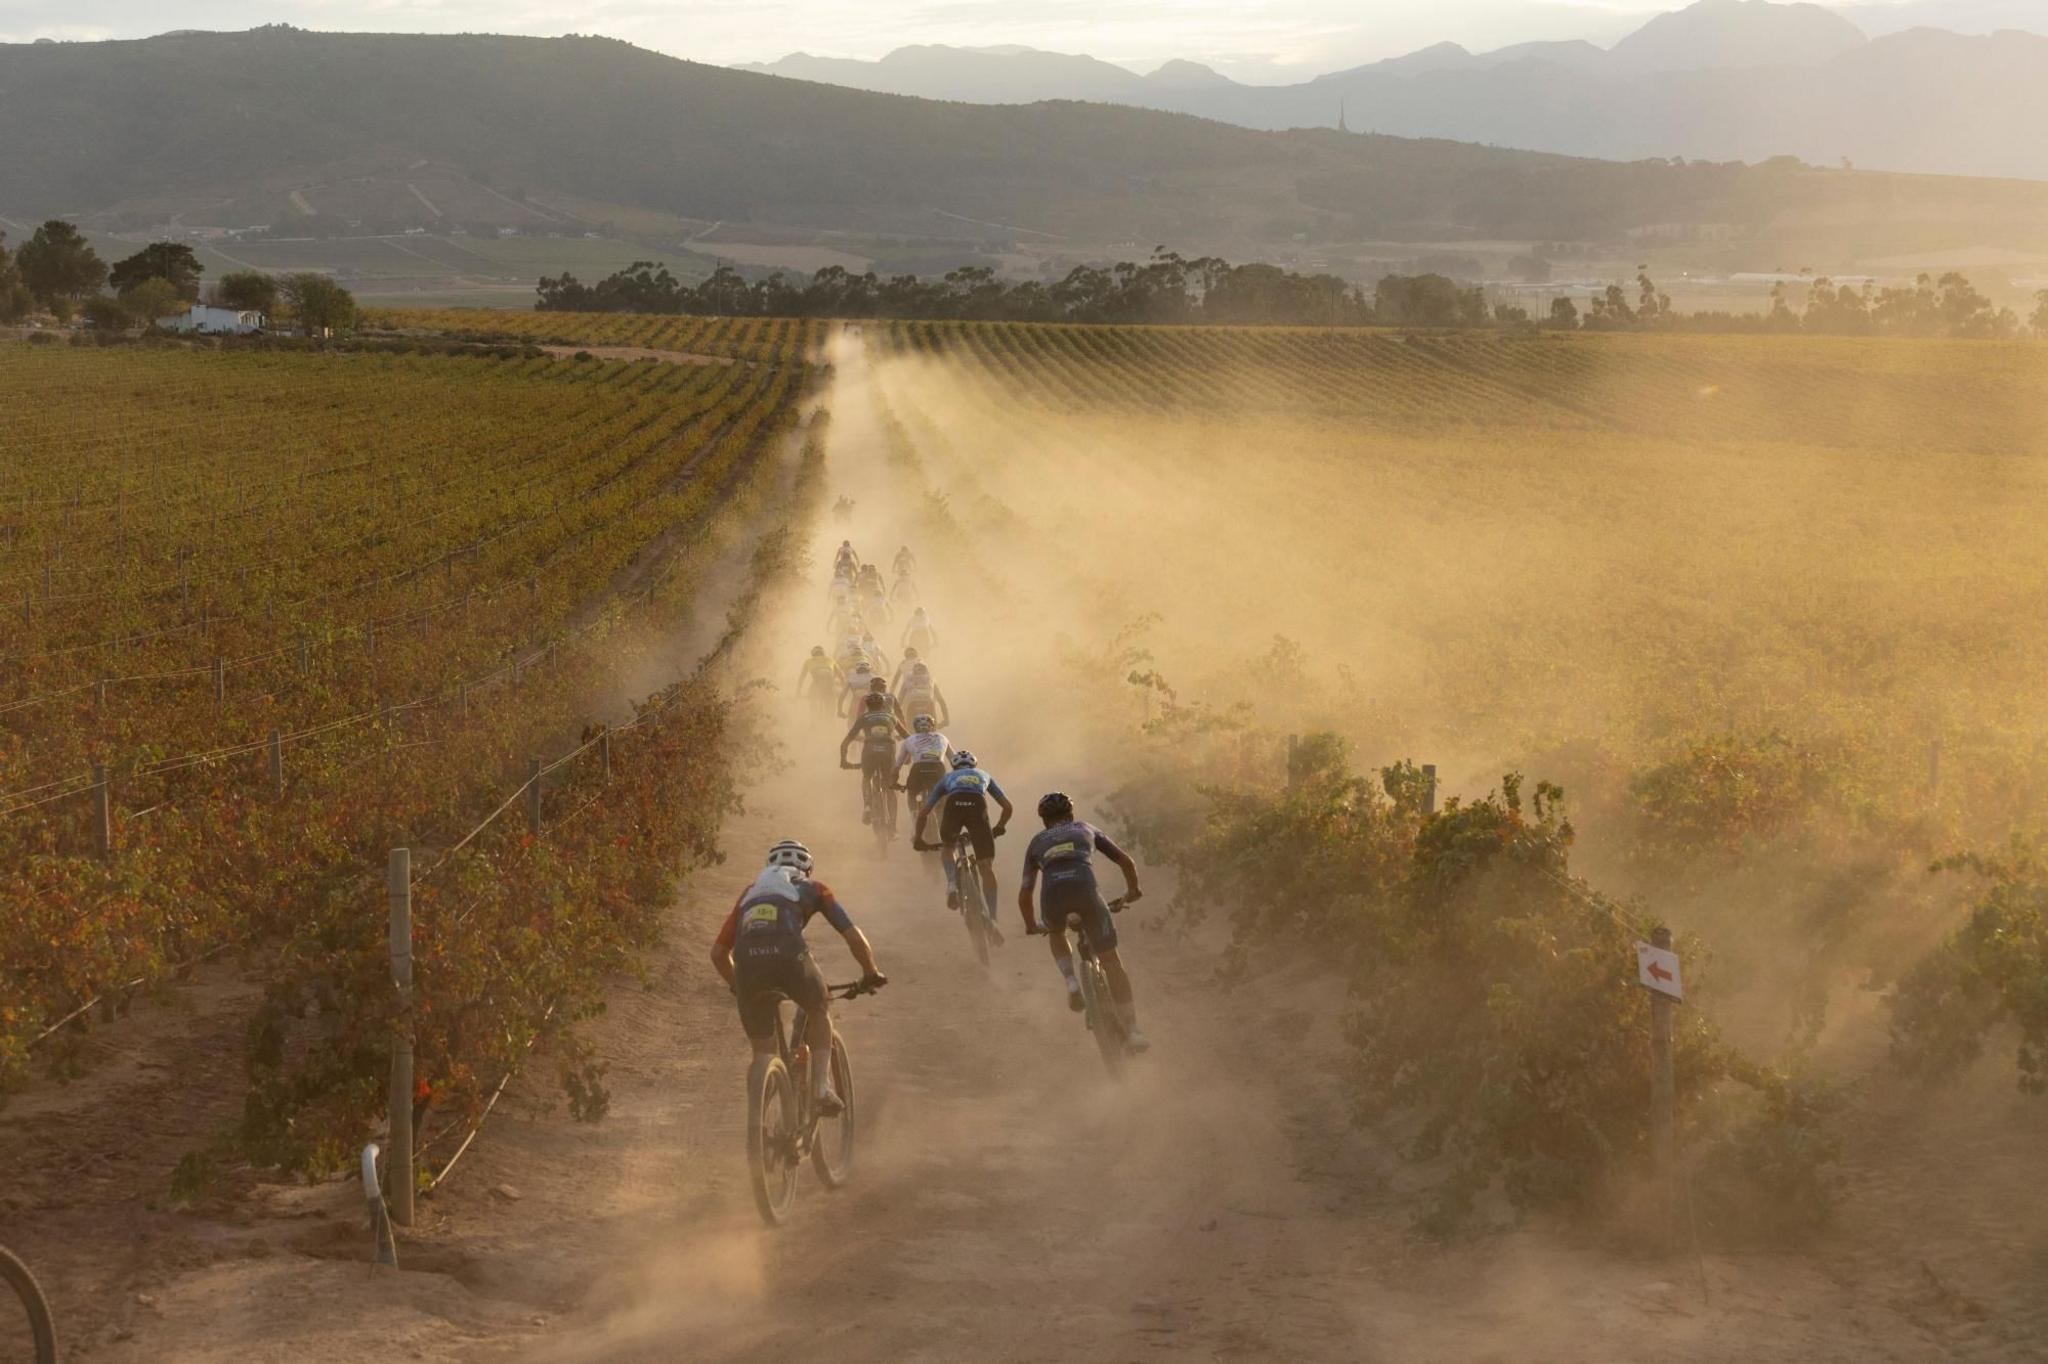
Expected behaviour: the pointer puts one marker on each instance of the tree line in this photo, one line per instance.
(1170, 288)
(57, 271)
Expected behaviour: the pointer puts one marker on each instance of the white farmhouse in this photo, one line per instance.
(204, 318)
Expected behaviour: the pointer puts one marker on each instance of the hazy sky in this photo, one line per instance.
(1265, 40)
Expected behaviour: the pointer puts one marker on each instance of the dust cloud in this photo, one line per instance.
(1581, 606)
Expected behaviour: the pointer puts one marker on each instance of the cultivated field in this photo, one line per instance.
(281, 611)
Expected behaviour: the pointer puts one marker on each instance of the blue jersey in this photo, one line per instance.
(964, 786)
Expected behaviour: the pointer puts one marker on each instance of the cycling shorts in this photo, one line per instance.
(971, 816)
(922, 778)
(877, 761)
(1077, 894)
(760, 982)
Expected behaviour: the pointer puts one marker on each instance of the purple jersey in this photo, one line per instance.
(1063, 852)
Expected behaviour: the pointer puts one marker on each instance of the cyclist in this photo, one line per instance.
(826, 681)
(1062, 851)
(878, 686)
(926, 752)
(920, 692)
(860, 677)
(903, 592)
(906, 562)
(918, 633)
(844, 560)
(878, 731)
(965, 792)
(873, 650)
(849, 648)
(910, 660)
(760, 952)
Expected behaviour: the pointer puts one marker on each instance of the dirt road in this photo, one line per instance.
(1010, 1203)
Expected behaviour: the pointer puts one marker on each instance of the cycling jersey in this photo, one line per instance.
(770, 960)
(923, 750)
(819, 669)
(906, 562)
(1064, 853)
(773, 912)
(919, 701)
(963, 788)
(876, 731)
(859, 679)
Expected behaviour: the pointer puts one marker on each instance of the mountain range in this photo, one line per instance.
(1718, 80)
(375, 136)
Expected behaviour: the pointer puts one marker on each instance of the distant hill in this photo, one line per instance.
(1714, 35)
(999, 75)
(282, 126)
(1719, 80)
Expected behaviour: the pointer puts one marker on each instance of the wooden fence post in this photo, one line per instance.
(1663, 1099)
(1429, 788)
(102, 814)
(533, 797)
(277, 764)
(400, 1174)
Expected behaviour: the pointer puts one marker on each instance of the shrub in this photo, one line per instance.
(1993, 971)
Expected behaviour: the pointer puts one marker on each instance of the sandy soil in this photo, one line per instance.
(1010, 1203)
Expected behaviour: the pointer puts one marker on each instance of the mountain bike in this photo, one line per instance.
(878, 800)
(32, 1325)
(783, 1125)
(1098, 1008)
(974, 905)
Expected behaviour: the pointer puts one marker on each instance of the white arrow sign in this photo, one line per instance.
(1657, 968)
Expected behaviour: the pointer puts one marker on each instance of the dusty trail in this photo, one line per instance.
(1010, 1203)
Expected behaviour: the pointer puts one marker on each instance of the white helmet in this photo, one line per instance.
(790, 853)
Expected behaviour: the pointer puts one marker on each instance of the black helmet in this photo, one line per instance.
(1055, 805)
(817, 651)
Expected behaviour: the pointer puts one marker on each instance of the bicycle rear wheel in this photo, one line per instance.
(771, 1137)
(1103, 1019)
(32, 1323)
(975, 911)
(881, 816)
(832, 1142)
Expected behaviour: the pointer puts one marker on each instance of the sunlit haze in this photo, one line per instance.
(1275, 41)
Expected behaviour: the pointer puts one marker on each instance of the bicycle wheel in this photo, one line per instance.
(771, 1137)
(975, 911)
(881, 816)
(832, 1143)
(1103, 1019)
(33, 1323)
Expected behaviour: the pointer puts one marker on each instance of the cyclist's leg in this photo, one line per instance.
(985, 849)
(757, 994)
(1053, 912)
(807, 987)
(949, 829)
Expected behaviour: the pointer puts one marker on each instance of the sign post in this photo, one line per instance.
(1657, 969)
